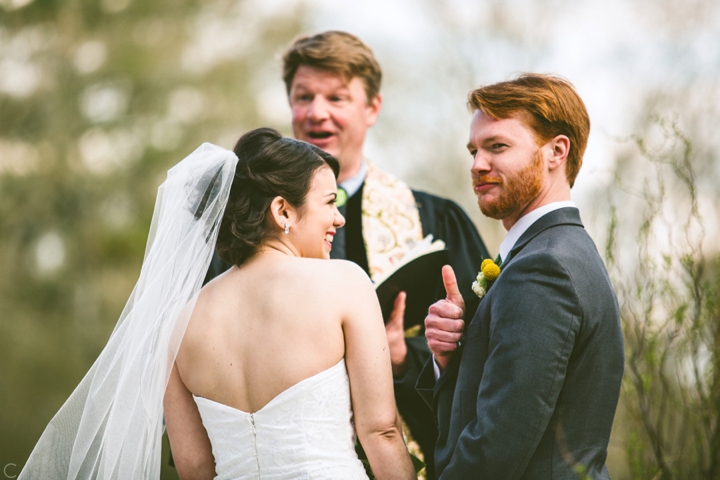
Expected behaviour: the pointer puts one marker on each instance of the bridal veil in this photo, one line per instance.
(111, 426)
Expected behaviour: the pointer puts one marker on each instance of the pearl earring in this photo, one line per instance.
(287, 228)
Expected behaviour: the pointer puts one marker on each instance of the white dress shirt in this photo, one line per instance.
(352, 184)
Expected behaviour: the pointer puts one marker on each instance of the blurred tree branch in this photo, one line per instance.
(669, 304)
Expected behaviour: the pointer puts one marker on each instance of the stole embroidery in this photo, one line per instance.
(390, 220)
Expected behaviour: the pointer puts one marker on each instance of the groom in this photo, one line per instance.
(528, 389)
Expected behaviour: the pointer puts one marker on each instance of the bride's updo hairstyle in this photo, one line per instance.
(269, 165)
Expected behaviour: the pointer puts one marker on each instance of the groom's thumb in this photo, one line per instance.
(451, 287)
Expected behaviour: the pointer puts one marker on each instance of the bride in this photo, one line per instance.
(269, 370)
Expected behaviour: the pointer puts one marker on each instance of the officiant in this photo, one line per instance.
(333, 85)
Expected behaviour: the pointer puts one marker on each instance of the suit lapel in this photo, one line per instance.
(561, 216)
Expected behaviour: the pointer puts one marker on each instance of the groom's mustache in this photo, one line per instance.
(485, 179)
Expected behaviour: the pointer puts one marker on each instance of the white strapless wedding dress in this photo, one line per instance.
(304, 432)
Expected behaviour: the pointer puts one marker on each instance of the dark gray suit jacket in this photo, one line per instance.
(531, 392)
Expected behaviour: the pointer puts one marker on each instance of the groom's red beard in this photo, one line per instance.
(517, 191)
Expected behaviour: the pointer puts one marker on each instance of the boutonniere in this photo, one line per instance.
(488, 273)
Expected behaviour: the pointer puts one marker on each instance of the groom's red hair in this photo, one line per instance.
(548, 104)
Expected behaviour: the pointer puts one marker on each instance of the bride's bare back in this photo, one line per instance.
(259, 329)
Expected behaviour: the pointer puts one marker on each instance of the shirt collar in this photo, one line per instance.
(525, 222)
(352, 184)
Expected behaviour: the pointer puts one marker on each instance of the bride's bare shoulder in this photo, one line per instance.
(334, 272)
(213, 297)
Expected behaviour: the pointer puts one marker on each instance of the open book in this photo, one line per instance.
(419, 275)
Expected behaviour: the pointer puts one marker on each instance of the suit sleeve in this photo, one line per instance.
(535, 317)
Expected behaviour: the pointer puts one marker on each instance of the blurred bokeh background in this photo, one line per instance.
(98, 98)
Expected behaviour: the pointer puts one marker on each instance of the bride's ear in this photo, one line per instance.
(282, 213)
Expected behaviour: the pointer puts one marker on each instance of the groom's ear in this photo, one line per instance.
(559, 149)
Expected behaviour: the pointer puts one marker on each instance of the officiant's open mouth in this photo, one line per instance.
(319, 137)
(319, 134)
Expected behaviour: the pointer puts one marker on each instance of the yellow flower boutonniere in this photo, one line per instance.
(489, 271)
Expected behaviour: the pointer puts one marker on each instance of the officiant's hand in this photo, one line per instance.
(444, 323)
(395, 331)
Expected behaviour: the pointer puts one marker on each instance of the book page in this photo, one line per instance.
(427, 245)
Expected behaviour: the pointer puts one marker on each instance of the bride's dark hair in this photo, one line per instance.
(269, 165)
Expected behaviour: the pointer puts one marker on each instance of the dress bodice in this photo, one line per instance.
(304, 432)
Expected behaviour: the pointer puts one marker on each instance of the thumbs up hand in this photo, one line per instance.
(444, 323)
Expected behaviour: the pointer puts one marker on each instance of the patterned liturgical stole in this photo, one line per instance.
(390, 220)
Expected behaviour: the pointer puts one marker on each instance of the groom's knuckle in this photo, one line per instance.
(436, 307)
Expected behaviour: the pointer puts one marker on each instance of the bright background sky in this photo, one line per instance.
(628, 60)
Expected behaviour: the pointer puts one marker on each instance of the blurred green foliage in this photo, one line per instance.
(669, 295)
(97, 100)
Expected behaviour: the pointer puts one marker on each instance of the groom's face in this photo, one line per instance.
(509, 167)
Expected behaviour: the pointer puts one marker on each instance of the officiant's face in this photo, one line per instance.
(319, 218)
(509, 167)
(331, 113)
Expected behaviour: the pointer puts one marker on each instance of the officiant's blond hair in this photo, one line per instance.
(548, 104)
(338, 52)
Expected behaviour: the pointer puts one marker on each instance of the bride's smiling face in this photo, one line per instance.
(314, 231)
